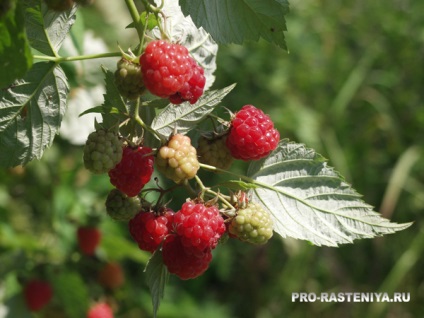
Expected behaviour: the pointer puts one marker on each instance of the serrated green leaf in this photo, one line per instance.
(114, 105)
(72, 293)
(15, 53)
(235, 21)
(185, 117)
(309, 200)
(46, 29)
(156, 276)
(31, 111)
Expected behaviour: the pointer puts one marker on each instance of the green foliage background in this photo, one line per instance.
(351, 88)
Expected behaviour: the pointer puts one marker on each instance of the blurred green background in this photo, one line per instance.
(351, 87)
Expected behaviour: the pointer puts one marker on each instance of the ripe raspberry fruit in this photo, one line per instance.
(59, 5)
(166, 67)
(128, 79)
(102, 151)
(37, 294)
(88, 239)
(252, 134)
(199, 226)
(121, 207)
(193, 88)
(100, 310)
(182, 264)
(111, 276)
(134, 171)
(252, 224)
(178, 159)
(214, 152)
(149, 229)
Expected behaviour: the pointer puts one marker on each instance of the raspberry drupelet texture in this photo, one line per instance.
(149, 229)
(214, 152)
(181, 263)
(199, 226)
(128, 79)
(252, 224)
(37, 294)
(166, 67)
(102, 151)
(252, 135)
(121, 207)
(193, 89)
(134, 170)
(177, 160)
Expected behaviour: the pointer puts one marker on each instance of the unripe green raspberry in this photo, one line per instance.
(214, 152)
(178, 159)
(252, 224)
(102, 151)
(129, 79)
(121, 207)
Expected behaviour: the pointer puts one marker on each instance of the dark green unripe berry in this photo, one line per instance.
(121, 207)
(213, 151)
(252, 224)
(102, 151)
(129, 79)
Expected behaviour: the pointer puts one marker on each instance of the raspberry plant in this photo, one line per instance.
(157, 99)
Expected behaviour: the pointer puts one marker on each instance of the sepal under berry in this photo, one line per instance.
(102, 151)
(252, 224)
(177, 160)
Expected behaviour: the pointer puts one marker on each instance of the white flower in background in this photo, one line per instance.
(74, 128)
(183, 31)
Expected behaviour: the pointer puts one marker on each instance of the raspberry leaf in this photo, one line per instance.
(156, 276)
(186, 116)
(46, 29)
(235, 21)
(31, 111)
(14, 46)
(309, 200)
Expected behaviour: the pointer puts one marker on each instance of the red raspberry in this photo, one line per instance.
(252, 134)
(182, 264)
(149, 229)
(193, 89)
(37, 294)
(166, 67)
(100, 310)
(134, 171)
(88, 239)
(111, 276)
(200, 227)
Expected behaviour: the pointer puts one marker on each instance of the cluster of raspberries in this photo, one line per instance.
(166, 69)
(187, 236)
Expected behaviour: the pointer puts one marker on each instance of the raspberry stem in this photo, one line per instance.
(220, 196)
(75, 58)
(139, 121)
